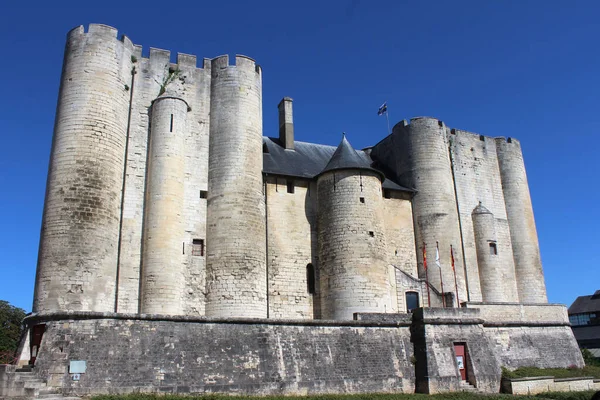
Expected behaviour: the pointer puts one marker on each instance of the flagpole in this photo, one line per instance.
(426, 275)
(455, 282)
(387, 117)
(441, 278)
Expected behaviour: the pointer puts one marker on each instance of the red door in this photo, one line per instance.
(461, 360)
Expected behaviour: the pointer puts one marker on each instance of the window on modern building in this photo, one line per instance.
(310, 278)
(290, 186)
(198, 247)
(412, 301)
(493, 249)
(583, 319)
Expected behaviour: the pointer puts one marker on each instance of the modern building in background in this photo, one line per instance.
(584, 315)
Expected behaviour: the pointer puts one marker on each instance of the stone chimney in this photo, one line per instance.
(286, 123)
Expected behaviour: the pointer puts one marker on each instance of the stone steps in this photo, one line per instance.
(467, 387)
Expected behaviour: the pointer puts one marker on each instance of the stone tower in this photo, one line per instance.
(497, 278)
(163, 278)
(523, 234)
(236, 229)
(80, 229)
(423, 163)
(354, 272)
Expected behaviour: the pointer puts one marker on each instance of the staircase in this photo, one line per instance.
(24, 383)
(467, 387)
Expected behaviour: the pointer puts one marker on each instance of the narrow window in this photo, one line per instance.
(203, 194)
(290, 186)
(371, 233)
(493, 249)
(171, 123)
(310, 278)
(509, 140)
(412, 301)
(198, 247)
(482, 138)
(362, 200)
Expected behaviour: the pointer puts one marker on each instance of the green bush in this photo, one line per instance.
(524, 372)
(587, 395)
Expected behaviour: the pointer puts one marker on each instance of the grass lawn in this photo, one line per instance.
(448, 396)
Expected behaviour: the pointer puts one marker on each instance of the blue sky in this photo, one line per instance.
(526, 69)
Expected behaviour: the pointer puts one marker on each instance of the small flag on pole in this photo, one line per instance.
(439, 265)
(426, 275)
(383, 109)
(454, 271)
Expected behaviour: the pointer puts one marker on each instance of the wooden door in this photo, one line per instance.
(461, 359)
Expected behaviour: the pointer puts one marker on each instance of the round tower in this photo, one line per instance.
(424, 164)
(354, 273)
(519, 211)
(236, 233)
(497, 281)
(163, 281)
(77, 264)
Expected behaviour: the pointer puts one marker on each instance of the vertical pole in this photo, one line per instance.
(426, 275)
(442, 284)
(387, 117)
(439, 265)
(455, 282)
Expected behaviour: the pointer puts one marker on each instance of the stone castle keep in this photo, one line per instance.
(183, 249)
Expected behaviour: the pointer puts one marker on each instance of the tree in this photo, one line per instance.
(10, 326)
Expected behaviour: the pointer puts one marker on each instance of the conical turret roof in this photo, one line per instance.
(480, 209)
(345, 157)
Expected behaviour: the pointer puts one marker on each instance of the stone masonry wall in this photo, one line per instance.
(243, 356)
(400, 234)
(291, 219)
(519, 210)
(477, 179)
(355, 275)
(420, 150)
(80, 228)
(193, 85)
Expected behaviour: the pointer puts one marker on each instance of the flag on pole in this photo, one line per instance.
(455, 281)
(383, 109)
(437, 262)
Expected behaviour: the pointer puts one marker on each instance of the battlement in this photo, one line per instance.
(241, 61)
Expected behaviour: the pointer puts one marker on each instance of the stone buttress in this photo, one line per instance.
(163, 276)
(236, 227)
(519, 210)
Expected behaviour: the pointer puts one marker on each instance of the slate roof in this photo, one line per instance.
(308, 160)
(586, 304)
(345, 157)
